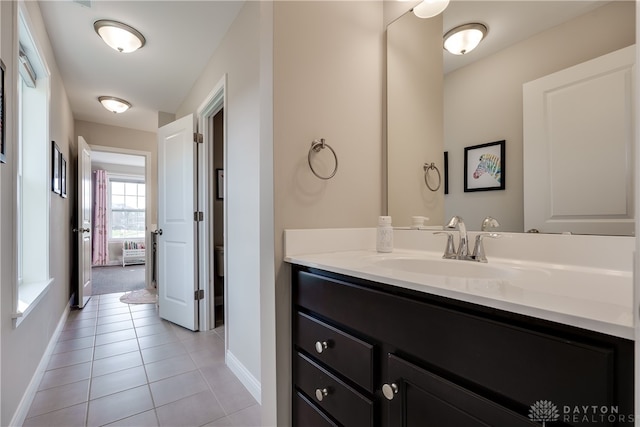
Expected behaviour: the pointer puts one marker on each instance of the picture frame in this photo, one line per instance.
(3, 116)
(55, 168)
(63, 176)
(484, 167)
(219, 184)
(446, 172)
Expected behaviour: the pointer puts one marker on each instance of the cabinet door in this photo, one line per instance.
(420, 398)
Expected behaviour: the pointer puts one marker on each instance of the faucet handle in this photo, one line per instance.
(450, 250)
(489, 223)
(478, 249)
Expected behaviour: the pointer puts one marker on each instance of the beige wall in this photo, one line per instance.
(23, 347)
(100, 135)
(486, 98)
(328, 80)
(238, 57)
(414, 119)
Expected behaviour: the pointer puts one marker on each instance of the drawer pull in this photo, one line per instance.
(321, 393)
(321, 346)
(389, 391)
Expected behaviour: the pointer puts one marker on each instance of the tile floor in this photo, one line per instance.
(121, 365)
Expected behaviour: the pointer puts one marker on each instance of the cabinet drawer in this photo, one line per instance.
(306, 414)
(343, 403)
(342, 352)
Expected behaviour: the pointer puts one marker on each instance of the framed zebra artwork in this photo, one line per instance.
(484, 167)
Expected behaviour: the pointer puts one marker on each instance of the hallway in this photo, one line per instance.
(121, 365)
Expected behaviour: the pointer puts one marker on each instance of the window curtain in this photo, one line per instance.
(100, 249)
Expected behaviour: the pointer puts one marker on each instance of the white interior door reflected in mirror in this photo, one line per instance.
(567, 117)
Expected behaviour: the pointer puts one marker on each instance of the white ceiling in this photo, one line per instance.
(509, 22)
(105, 157)
(182, 35)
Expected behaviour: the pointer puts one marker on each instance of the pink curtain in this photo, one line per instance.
(100, 254)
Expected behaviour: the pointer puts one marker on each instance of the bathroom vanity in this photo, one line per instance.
(380, 353)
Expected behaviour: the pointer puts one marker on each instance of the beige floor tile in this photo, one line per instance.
(80, 323)
(116, 363)
(146, 321)
(115, 349)
(177, 387)
(145, 419)
(153, 329)
(72, 334)
(196, 410)
(59, 397)
(113, 337)
(114, 327)
(65, 375)
(114, 318)
(74, 344)
(156, 340)
(73, 416)
(118, 406)
(161, 352)
(116, 309)
(61, 360)
(116, 382)
(169, 367)
(233, 397)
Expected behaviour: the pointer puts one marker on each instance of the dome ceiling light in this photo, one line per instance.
(430, 8)
(464, 38)
(113, 104)
(119, 36)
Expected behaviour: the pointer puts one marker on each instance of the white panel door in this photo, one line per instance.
(84, 222)
(578, 148)
(177, 261)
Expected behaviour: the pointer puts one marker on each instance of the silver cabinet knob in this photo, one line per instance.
(321, 346)
(389, 391)
(321, 393)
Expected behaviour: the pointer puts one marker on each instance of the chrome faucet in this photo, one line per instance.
(489, 222)
(457, 223)
(478, 249)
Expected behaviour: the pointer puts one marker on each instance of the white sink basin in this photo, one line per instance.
(449, 268)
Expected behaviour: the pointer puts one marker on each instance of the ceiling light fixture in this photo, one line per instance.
(430, 8)
(464, 38)
(113, 104)
(119, 36)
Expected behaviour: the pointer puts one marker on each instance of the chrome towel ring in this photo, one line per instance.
(316, 146)
(432, 166)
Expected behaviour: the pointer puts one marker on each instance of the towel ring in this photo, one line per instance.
(427, 167)
(316, 146)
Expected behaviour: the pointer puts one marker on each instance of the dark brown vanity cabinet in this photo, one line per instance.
(369, 354)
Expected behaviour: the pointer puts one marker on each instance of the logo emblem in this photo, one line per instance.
(544, 411)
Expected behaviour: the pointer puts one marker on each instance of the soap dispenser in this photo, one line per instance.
(384, 241)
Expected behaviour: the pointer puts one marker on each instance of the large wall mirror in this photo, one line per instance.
(438, 102)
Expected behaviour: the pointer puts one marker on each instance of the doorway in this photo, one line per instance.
(215, 135)
(120, 259)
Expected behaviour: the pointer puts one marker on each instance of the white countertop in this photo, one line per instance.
(597, 299)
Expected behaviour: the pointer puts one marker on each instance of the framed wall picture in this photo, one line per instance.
(446, 172)
(220, 184)
(63, 176)
(484, 167)
(55, 168)
(3, 116)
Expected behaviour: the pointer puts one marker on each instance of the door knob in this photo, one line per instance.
(158, 232)
(389, 391)
(321, 393)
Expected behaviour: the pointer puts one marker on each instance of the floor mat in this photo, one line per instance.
(141, 296)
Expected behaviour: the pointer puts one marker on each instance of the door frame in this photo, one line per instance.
(147, 179)
(215, 101)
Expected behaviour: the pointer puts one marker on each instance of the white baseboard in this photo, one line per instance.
(30, 393)
(245, 377)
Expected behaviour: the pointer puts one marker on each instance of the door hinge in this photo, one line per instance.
(199, 294)
(197, 138)
(198, 216)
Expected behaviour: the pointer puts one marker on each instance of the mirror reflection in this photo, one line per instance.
(438, 102)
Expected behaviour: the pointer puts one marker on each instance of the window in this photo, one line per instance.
(33, 167)
(127, 208)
